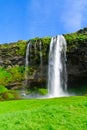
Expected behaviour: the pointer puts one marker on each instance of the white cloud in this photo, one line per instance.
(73, 14)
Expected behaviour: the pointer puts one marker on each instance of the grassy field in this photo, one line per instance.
(68, 113)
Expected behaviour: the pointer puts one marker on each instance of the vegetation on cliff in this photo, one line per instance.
(76, 41)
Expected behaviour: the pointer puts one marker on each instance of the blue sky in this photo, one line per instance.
(26, 19)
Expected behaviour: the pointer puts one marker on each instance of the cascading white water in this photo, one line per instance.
(27, 62)
(23, 93)
(57, 75)
(41, 60)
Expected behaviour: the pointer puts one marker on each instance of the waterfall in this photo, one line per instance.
(23, 93)
(57, 75)
(27, 63)
(41, 60)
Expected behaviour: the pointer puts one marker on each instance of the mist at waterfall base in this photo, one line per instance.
(57, 73)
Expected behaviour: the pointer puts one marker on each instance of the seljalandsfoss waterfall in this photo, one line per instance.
(57, 74)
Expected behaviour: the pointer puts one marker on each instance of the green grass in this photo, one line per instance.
(69, 113)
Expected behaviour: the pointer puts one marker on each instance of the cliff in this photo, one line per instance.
(12, 61)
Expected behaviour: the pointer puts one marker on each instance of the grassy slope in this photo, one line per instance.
(68, 113)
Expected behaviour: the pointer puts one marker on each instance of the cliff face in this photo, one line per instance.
(12, 57)
(12, 53)
(77, 66)
(77, 58)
